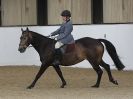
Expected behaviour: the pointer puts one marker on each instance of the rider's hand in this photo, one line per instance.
(49, 36)
(55, 38)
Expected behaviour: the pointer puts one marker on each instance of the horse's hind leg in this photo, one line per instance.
(58, 70)
(99, 74)
(107, 68)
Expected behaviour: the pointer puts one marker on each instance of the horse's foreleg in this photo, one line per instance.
(58, 70)
(41, 71)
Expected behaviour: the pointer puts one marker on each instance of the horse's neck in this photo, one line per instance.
(39, 42)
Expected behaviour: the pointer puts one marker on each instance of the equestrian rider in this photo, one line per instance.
(64, 35)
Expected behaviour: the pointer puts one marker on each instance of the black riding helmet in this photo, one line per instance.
(66, 13)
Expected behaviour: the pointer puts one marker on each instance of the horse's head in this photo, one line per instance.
(25, 40)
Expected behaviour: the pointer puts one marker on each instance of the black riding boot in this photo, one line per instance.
(57, 56)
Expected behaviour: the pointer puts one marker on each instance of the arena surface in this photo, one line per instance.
(15, 79)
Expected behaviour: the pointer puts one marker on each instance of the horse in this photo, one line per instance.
(85, 48)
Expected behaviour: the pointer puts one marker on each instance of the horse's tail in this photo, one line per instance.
(113, 54)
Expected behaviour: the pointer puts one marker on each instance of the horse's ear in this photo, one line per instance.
(22, 30)
(27, 29)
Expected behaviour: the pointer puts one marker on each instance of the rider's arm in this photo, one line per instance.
(55, 32)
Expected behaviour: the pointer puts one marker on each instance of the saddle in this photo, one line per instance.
(68, 48)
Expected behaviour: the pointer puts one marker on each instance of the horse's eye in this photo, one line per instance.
(24, 38)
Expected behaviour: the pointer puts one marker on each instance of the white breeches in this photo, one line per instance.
(58, 45)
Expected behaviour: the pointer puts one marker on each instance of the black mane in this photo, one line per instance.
(35, 34)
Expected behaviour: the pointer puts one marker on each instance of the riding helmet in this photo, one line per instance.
(66, 13)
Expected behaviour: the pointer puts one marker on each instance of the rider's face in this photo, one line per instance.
(64, 18)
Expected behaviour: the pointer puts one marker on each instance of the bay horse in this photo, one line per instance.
(85, 48)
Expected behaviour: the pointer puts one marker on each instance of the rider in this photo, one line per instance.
(64, 35)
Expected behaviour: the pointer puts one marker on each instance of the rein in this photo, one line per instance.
(30, 46)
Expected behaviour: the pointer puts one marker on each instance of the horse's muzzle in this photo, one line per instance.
(21, 50)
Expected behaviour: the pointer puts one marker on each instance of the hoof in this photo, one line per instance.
(30, 87)
(63, 85)
(120, 69)
(115, 82)
(95, 86)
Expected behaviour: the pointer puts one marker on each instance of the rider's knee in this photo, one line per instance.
(58, 45)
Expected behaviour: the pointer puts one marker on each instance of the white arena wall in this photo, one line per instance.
(121, 35)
